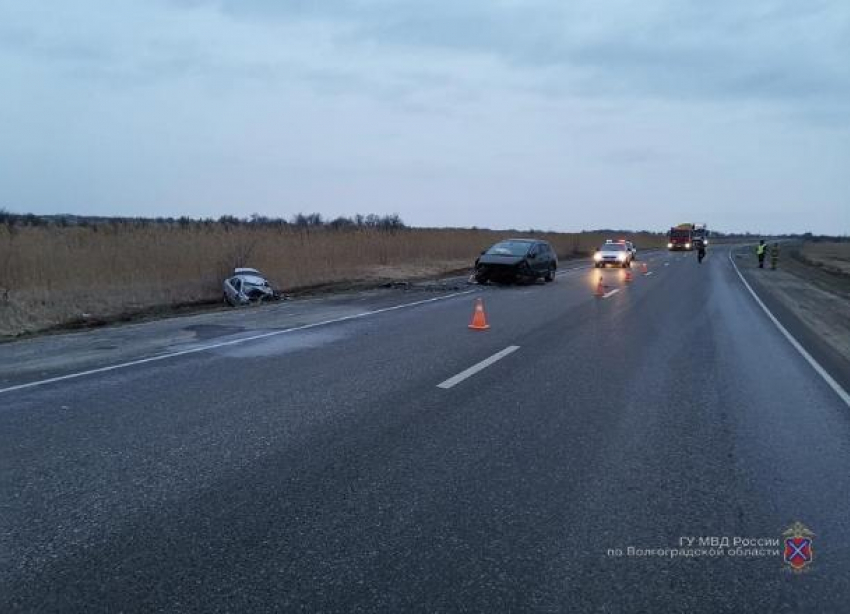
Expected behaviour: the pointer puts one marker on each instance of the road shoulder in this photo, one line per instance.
(816, 314)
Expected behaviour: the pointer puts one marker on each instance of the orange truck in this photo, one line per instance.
(687, 237)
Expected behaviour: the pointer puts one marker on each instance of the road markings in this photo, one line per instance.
(648, 273)
(611, 293)
(213, 346)
(666, 264)
(456, 379)
(836, 387)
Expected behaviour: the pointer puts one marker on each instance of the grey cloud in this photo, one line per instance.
(26, 42)
(338, 104)
(634, 157)
(778, 50)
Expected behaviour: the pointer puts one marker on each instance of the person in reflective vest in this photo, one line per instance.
(761, 252)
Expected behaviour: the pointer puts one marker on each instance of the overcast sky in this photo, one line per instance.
(499, 113)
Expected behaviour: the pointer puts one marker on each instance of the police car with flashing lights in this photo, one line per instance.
(615, 253)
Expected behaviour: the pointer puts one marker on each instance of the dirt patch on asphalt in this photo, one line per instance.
(810, 282)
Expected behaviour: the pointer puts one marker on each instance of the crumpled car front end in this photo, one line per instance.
(247, 289)
(501, 269)
(258, 293)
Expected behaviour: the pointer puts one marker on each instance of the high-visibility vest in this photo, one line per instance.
(760, 249)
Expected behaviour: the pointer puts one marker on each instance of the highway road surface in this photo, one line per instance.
(370, 453)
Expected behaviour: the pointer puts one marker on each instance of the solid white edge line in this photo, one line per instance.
(467, 373)
(836, 387)
(611, 293)
(213, 346)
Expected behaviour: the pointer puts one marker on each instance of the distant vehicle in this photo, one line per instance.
(686, 237)
(680, 238)
(700, 235)
(247, 286)
(617, 253)
(517, 259)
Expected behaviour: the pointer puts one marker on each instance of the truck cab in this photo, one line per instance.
(687, 237)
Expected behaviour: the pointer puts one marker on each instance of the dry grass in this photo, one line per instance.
(831, 257)
(53, 275)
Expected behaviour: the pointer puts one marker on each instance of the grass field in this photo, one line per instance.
(53, 275)
(830, 257)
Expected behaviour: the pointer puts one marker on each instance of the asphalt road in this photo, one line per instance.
(306, 458)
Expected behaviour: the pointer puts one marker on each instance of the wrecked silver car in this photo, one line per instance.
(248, 286)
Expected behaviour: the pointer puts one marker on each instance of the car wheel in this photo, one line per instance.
(550, 274)
(481, 279)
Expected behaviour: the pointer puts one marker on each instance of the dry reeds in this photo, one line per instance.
(53, 274)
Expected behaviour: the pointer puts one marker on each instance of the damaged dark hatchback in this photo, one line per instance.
(517, 260)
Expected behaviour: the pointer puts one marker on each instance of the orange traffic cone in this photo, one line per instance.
(628, 275)
(600, 289)
(479, 318)
(645, 268)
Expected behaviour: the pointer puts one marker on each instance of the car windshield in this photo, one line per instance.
(509, 248)
(680, 234)
(613, 247)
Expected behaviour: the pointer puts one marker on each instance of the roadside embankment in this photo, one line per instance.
(809, 292)
(830, 257)
(54, 276)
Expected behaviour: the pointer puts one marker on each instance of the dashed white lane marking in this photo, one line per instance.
(213, 346)
(456, 379)
(648, 273)
(666, 264)
(842, 394)
(611, 293)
